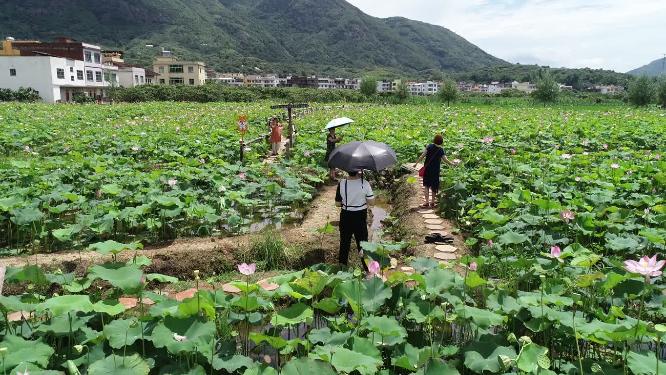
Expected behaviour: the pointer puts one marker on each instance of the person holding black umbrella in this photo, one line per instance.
(354, 195)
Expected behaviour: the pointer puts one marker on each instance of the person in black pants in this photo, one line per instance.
(353, 195)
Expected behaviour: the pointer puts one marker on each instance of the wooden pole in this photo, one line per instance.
(291, 128)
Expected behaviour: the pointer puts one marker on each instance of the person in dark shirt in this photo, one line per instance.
(433, 155)
(331, 140)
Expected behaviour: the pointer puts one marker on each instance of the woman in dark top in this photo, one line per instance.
(433, 154)
(331, 140)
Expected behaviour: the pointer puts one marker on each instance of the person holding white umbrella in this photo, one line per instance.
(332, 139)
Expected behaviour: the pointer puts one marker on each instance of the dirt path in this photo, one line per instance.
(422, 222)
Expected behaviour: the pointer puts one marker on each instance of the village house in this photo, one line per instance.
(128, 75)
(608, 89)
(523, 86)
(175, 72)
(57, 69)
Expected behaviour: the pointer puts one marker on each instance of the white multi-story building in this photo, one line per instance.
(495, 88)
(523, 86)
(127, 75)
(55, 78)
(386, 86)
(262, 81)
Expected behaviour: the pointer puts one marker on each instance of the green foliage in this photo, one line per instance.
(268, 251)
(81, 98)
(448, 93)
(23, 94)
(547, 89)
(641, 91)
(369, 86)
(402, 91)
(661, 93)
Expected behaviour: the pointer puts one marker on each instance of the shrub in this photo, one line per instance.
(82, 98)
(23, 94)
(547, 89)
(449, 92)
(661, 93)
(268, 251)
(402, 91)
(369, 86)
(641, 91)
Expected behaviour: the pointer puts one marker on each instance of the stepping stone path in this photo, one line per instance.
(434, 223)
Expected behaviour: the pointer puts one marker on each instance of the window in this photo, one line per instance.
(175, 81)
(136, 79)
(175, 68)
(71, 78)
(98, 76)
(71, 69)
(190, 69)
(142, 79)
(161, 81)
(114, 77)
(60, 73)
(98, 59)
(191, 81)
(79, 75)
(88, 55)
(161, 69)
(89, 75)
(12, 72)
(107, 76)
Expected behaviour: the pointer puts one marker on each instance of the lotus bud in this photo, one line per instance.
(3, 350)
(423, 297)
(651, 327)
(196, 274)
(506, 361)
(512, 338)
(596, 368)
(78, 349)
(524, 340)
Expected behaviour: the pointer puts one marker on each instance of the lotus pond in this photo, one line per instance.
(559, 206)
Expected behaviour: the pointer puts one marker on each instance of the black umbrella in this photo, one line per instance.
(356, 156)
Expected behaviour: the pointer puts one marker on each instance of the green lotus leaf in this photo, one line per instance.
(118, 365)
(113, 247)
(21, 350)
(307, 366)
(32, 274)
(127, 278)
(122, 332)
(293, 315)
(438, 367)
(65, 304)
(484, 355)
(25, 216)
(531, 357)
(233, 363)
(348, 361)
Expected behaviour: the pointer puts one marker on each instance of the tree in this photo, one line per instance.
(402, 91)
(369, 86)
(547, 89)
(661, 93)
(641, 91)
(449, 92)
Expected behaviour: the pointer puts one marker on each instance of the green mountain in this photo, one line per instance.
(297, 36)
(653, 69)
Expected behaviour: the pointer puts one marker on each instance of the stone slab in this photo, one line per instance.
(446, 248)
(430, 216)
(426, 211)
(434, 227)
(445, 256)
(434, 221)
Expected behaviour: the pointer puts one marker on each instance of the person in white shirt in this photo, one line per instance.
(353, 195)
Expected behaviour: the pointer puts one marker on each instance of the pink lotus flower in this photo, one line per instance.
(555, 251)
(307, 154)
(456, 161)
(490, 243)
(567, 215)
(657, 157)
(27, 149)
(374, 268)
(473, 266)
(242, 176)
(513, 151)
(172, 182)
(488, 140)
(566, 156)
(605, 146)
(136, 148)
(645, 266)
(577, 179)
(615, 165)
(247, 269)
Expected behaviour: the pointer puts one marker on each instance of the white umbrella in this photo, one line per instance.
(342, 121)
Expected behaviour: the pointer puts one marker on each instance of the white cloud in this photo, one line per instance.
(611, 34)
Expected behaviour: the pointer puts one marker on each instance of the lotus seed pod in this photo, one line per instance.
(524, 340)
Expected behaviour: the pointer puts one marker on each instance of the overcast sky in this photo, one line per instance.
(612, 34)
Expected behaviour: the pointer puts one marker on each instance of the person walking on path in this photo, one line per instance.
(276, 135)
(331, 140)
(433, 155)
(353, 195)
